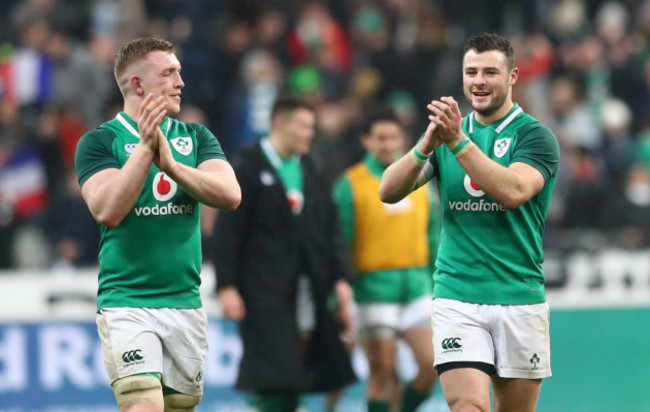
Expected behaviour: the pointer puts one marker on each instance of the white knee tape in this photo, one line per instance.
(138, 389)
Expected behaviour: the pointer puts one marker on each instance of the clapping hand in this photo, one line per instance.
(164, 158)
(447, 119)
(429, 141)
(151, 113)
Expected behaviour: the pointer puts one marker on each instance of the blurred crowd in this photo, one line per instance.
(584, 71)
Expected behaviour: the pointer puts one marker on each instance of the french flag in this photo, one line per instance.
(32, 77)
(23, 182)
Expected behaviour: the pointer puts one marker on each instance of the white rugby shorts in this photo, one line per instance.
(514, 339)
(385, 319)
(170, 342)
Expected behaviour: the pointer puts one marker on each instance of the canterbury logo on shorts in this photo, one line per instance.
(132, 356)
(451, 343)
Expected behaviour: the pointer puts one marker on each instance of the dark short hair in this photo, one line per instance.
(491, 41)
(136, 50)
(288, 104)
(384, 114)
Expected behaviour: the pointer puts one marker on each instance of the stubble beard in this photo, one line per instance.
(497, 101)
(493, 106)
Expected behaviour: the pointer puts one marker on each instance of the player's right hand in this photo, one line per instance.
(429, 141)
(151, 113)
(448, 119)
(232, 303)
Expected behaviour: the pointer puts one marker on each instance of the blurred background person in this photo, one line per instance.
(70, 227)
(278, 258)
(393, 250)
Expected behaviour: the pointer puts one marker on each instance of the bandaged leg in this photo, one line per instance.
(180, 402)
(138, 389)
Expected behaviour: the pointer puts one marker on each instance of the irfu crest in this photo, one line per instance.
(183, 145)
(501, 146)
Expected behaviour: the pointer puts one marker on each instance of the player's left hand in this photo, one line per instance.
(345, 297)
(345, 318)
(164, 158)
(447, 118)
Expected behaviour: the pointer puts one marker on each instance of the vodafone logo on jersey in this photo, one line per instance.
(472, 188)
(164, 188)
(471, 205)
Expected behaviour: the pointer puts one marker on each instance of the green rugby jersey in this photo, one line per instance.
(153, 257)
(489, 254)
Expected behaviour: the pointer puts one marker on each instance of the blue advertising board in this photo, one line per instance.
(600, 364)
(57, 366)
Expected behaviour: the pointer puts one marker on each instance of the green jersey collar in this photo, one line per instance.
(375, 166)
(507, 119)
(130, 125)
(273, 155)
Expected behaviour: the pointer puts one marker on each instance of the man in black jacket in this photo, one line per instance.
(284, 234)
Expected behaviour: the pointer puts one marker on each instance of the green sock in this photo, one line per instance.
(412, 398)
(378, 406)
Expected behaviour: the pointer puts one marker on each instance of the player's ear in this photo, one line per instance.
(136, 85)
(514, 75)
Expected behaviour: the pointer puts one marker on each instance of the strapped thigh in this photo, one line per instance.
(138, 389)
(180, 402)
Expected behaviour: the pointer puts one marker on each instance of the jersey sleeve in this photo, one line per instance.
(538, 147)
(344, 202)
(94, 153)
(208, 145)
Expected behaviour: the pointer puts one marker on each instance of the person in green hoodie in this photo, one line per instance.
(393, 250)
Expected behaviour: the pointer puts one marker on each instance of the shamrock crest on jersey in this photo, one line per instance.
(129, 148)
(183, 145)
(501, 146)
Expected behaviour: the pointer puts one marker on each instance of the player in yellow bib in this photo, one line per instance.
(393, 248)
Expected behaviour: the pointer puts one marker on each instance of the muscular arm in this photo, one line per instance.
(511, 186)
(111, 193)
(399, 179)
(212, 183)
(405, 175)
